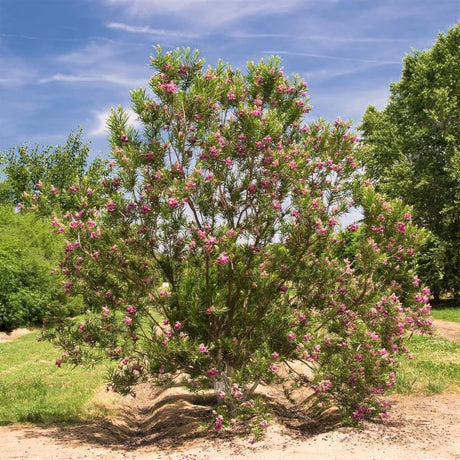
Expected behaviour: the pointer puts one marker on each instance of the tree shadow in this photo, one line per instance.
(171, 417)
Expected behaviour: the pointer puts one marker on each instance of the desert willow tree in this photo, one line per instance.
(212, 253)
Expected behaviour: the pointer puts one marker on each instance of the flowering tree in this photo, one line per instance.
(212, 252)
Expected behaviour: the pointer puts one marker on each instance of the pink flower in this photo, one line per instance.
(212, 372)
(332, 222)
(128, 321)
(110, 206)
(231, 96)
(203, 349)
(276, 205)
(171, 87)
(145, 209)
(213, 151)
(210, 240)
(426, 291)
(218, 422)
(131, 310)
(178, 326)
(223, 258)
(252, 188)
(148, 156)
(275, 355)
(173, 203)
(401, 227)
(264, 424)
(54, 190)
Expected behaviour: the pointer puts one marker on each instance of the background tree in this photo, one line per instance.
(29, 291)
(28, 171)
(413, 152)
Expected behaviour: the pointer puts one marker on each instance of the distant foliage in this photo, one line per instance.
(413, 152)
(29, 292)
(41, 172)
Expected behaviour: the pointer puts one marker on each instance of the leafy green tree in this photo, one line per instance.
(29, 291)
(413, 152)
(31, 171)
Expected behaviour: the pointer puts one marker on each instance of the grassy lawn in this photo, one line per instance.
(33, 389)
(435, 367)
(447, 314)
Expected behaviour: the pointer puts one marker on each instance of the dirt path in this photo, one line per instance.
(419, 428)
(9, 336)
(166, 425)
(447, 329)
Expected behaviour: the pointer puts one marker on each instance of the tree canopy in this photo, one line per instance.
(29, 171)
(211, 253)
(413, 152)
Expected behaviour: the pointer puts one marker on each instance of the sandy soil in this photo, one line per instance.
(9, 336)
(447, 329)
(166, 425)
(419, 428)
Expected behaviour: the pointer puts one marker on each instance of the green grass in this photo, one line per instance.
(34, 389)
(435, 367)
(447, 314)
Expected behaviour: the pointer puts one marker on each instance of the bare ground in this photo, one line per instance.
(166, 425)
(9, 336)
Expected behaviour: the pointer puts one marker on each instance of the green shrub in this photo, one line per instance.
(29, 291)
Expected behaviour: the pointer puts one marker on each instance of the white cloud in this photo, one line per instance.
(329, 57)
(205, 15)
(128, 82)
(146, 30)
(99, 122)
(349, 103)
(95, 52)
(15, 70)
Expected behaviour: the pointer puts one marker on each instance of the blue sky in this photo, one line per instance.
(65, 63)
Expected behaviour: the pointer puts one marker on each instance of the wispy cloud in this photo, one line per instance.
(146, 30)
(114, 79)
(96, 51)
(16, 71)
(336, 58)
(338, 38)
(100, 61)
(349, 102)
(36, 38)
(205, 15)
